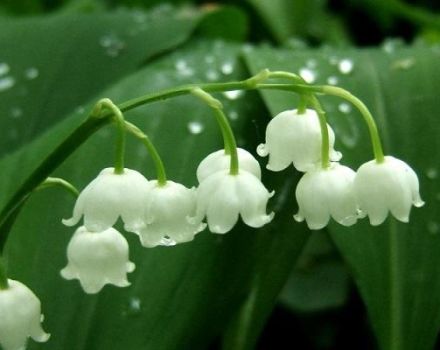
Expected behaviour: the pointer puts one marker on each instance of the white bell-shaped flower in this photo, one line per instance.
(20, 317)
(324, 193)
(109, 196)
(222, 197)
(219, 160)
(295, 138)
(167, 212)
(97, 259)
(388, 186)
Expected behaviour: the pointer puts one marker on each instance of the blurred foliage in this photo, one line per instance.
(309, 281)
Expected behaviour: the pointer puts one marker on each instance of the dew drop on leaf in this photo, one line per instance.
(31, 73)
(4, 68)
(6, 83)
(195, 127)
(345, 66)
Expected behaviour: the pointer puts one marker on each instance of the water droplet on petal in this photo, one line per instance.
(345, 66)
(308, 75)
(233, 94)
(31, 73)
(195, 127)
(262, 150)
(344, 107)
(4, 68)
(6, 83)
(432, 173)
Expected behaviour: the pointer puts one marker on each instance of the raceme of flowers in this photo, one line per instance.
(166, 214)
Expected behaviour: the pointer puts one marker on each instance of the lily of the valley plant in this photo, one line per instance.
(162, 212)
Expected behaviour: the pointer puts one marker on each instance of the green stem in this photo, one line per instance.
(325, 144)
(119, 120)
(160, 168)
(302, 105)
(368, 118)
(225, 127)
(3, 277)
(93, 123)
(56, 181)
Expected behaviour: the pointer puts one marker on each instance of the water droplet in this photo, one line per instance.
(332, 80)
(31, 73)
(333, 60)
(6, 83)
(233, 94)
(262, 150)
(345, 66)
(344, 107)
(80, 110)
(296, 44)
(391, 44)
(311, 63)
(212, 75)
(195, 127)
(433, 227)
(135, 305)
(233, 115)
(112, 44)
(183, 69)
(209, 59)
(404, 63)
(4, 68)
(16, 112)
(308, 75)
(432, 173)
(227, 68)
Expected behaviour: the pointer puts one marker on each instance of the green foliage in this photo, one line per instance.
(217, 288)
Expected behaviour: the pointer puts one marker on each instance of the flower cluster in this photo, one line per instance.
(336, 190)
(161, 214)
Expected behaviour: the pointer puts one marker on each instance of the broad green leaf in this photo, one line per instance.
(396, 266)
(306, 19)
(181, 297)
(51, 65)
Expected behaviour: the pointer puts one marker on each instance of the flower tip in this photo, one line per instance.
(418, 203)
(42, 337)
(70, 222)
(130, 267)
(262, 150)
(298, 217)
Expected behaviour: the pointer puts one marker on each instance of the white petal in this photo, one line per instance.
(97, 259)
(21, 317)
(253, 200)
(220, 161)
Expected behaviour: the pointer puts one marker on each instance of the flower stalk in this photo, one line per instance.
(228, 135)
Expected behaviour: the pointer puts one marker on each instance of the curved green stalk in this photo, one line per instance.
(369, 120)
(56, 181)
(160, 168)
(228, 134)
(94, 122)
(325, 144)
(106, 103)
